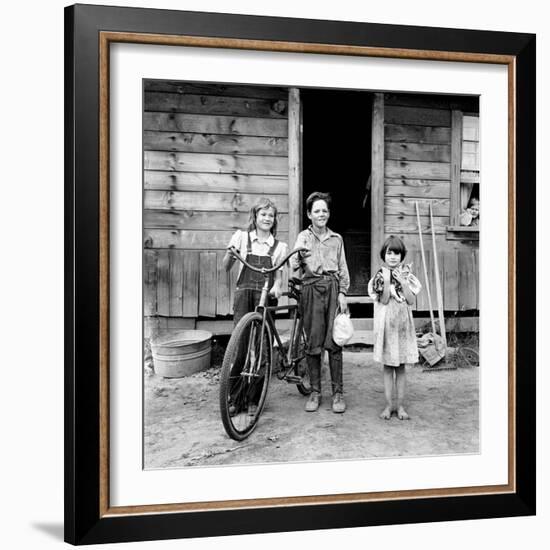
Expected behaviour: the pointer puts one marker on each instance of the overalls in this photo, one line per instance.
(247, 297)
(250, 283)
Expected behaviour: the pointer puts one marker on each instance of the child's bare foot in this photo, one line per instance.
(402, 414)
(386, 413)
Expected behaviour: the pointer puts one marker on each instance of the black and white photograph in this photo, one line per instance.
(285, 310)
(310, 274)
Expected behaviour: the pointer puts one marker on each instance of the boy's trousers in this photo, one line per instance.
(318, 305)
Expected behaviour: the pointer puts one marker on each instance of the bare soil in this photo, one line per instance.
(183, 426)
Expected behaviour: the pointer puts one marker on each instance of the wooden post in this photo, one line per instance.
(377, 180)
(294, 165)
(456, 165)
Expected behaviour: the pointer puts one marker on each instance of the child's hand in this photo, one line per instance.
(276, 291)
(342, 302)
(399, 276)
(232, 251)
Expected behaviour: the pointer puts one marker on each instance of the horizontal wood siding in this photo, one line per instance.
(210, 152)
(417, 169)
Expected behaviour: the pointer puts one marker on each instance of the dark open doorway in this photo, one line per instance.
(337, 159)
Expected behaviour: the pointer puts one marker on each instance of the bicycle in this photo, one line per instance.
(249, 359)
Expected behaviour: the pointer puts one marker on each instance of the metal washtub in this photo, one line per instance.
(181, 353)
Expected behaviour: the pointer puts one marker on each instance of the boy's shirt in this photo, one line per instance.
(327, 257)
(238, 240)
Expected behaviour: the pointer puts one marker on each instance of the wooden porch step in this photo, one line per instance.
(364, 337)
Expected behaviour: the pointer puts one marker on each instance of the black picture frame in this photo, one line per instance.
(88, 519)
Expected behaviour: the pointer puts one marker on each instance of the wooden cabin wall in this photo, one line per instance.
(210, 153)
(418, 165)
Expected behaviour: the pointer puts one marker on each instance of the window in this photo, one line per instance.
(465, 205)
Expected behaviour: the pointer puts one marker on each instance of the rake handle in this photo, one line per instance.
(432, 319)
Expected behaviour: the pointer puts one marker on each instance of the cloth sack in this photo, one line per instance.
(342, 329)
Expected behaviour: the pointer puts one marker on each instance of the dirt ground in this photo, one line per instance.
(183, 426)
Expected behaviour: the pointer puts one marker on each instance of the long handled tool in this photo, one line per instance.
(438, 284)
(425, 269)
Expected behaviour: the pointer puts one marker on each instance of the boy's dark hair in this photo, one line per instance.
(317, 196)
(395, 244)
(263, 203)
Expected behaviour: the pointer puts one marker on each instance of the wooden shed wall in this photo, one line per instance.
(419, 158)
(210, 152)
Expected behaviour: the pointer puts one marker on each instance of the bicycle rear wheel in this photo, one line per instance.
(245, 375)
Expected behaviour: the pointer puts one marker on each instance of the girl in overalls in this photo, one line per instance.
(259, 247)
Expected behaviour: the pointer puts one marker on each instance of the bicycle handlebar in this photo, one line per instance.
(264, 270)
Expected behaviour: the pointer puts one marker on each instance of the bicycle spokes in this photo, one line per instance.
(245, 376)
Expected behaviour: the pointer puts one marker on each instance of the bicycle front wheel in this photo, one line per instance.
(245, 374)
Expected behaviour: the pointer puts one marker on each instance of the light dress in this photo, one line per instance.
(394, 332)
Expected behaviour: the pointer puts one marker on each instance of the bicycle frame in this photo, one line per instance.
(289, 361)
(249, 358)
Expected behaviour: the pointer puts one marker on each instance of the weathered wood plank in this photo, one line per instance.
(408, 224)
(223, 305)
(470, 128)
(207, 202)
(215, 124)
(418, 151)
(467, 284)
(191, 240)
(417, 134)
(377, 177)
(220, 183)
(470, 155)
(225, 327)
(294, 163)
(214, 143)
(178, 323)
(176, 283)
(150, 259)
(202, 88)
(450, 280)
(456, 156)
(216, 163)
(233, 277)
(406, 206)
(413, 257)
(417, 170)
(424, 303)
(430, 189)
(434, 101)
(208, 284)
(476, 274)
(163, 283)
(417, 116)
(214, 105)
(190, 302)
(203, 221)
(469, 177)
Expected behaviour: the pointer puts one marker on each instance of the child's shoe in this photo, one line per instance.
(338, 403)
(313, 402)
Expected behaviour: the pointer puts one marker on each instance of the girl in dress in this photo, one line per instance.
(393, 290)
